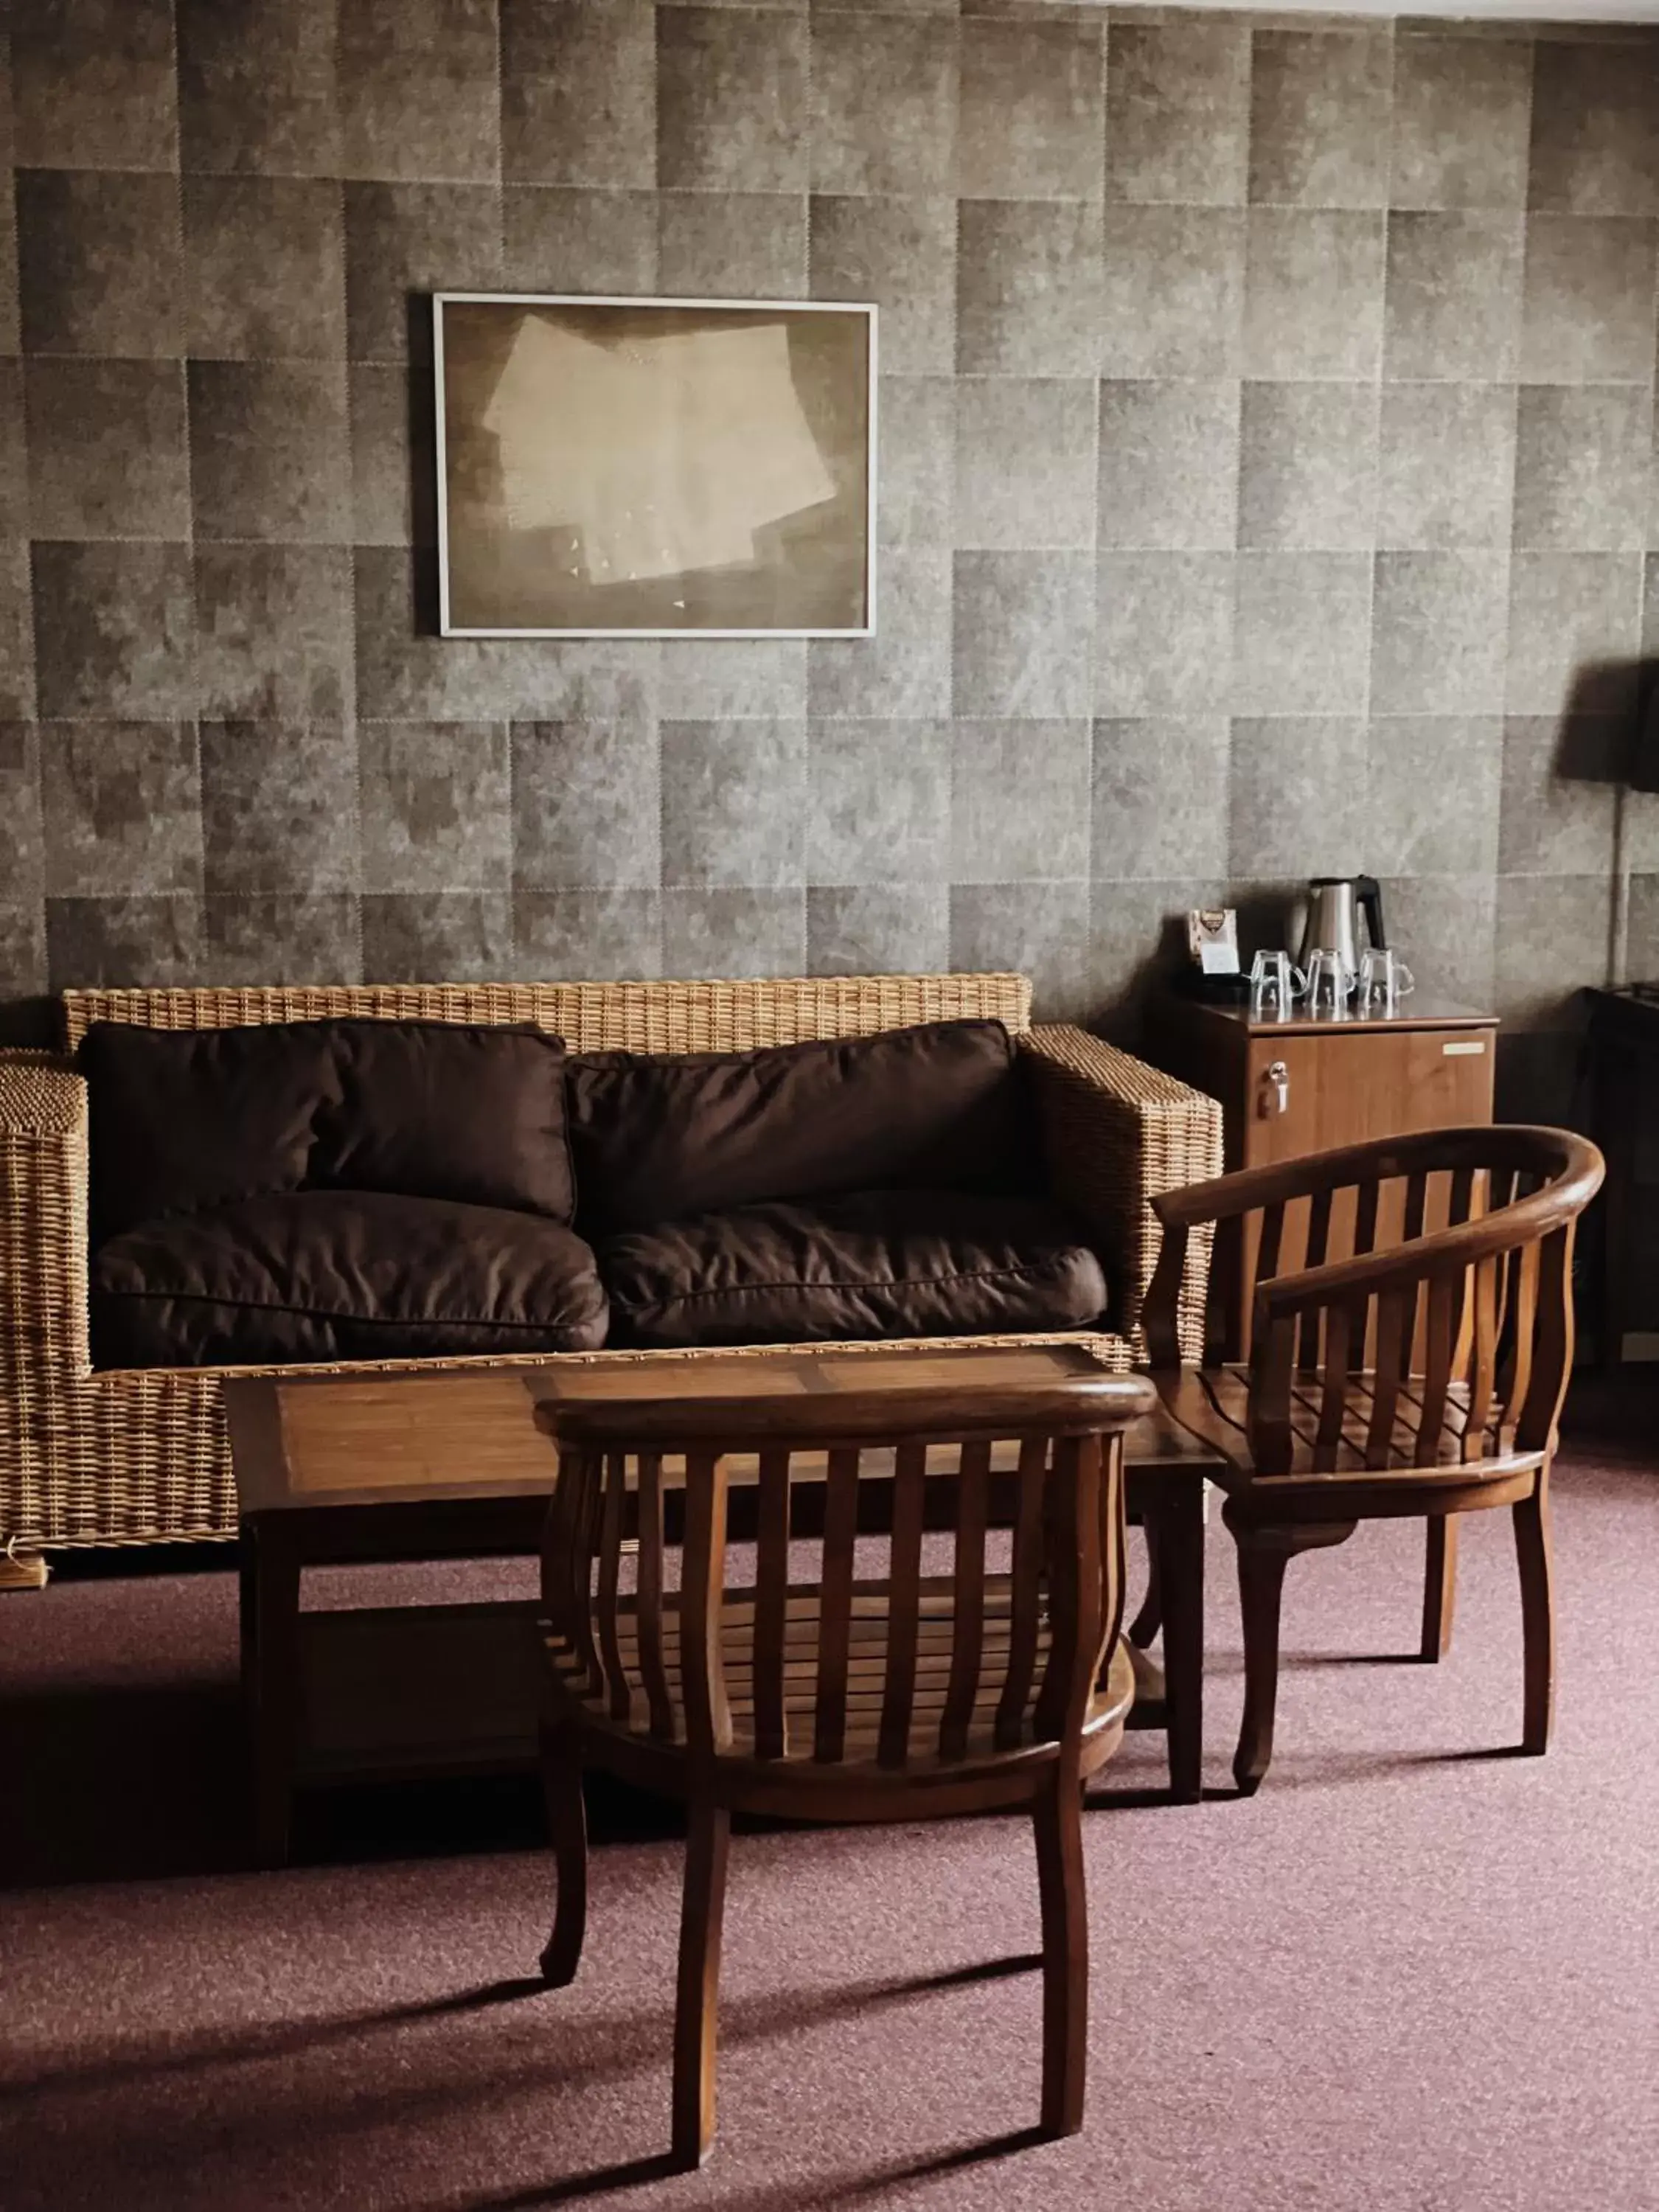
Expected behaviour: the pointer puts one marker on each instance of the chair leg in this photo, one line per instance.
(1534, 1552)
(1439, 1586)
(698, 1992)
(1263, 1555)
(1143, 1629)
(1057, 1816)
(1261, 1566)
(566, 1823)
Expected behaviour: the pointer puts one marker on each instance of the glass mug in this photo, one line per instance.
(1275, 985)
(1384, 981)
(1329, 981)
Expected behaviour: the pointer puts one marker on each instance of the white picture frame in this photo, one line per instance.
(817, 559)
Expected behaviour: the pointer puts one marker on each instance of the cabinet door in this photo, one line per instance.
(1344, 1089)
(1377, 1082)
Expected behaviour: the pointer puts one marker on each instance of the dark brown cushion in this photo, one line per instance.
(342, 1275)
(183, 1119)
(191, 1119)
(875, 1264)
(659, 1137)
(445, 1110)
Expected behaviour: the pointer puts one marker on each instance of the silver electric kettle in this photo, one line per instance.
(1331, 921)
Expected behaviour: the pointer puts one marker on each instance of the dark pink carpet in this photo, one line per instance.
(1410, 1975)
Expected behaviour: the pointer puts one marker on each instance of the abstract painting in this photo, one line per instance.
(612, 467)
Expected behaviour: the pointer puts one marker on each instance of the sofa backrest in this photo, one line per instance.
(657, 1017)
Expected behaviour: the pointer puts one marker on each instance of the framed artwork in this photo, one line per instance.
(655, 468)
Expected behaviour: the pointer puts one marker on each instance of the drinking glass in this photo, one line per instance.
(1329, 981)
(1384, 981)
(1275, 985)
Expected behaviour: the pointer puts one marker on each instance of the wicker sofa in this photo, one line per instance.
(90, 1457)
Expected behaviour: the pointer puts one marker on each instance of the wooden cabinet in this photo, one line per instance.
(1290, 1088)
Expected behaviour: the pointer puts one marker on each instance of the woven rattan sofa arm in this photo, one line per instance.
(43, 1228)
(1116, 1133)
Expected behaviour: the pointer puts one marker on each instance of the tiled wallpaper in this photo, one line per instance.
(1267, 488)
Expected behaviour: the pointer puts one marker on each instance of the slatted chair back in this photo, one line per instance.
(814, 1663)
(1411, 1302)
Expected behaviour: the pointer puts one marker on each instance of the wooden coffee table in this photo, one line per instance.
(450, 1464)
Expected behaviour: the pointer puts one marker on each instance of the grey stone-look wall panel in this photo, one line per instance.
(1446, 465)
(1265, 477)
(1431, 794)
(1438, 633)
(1299, 796)
(733, 933)
(419, 88)
(1178, 112)
(1172, 299)
(269, 452)
(1159, 797)
(265, 269)
(1313, 297)
(1163, 634)
(1020, 801)
(282, 937)
(1595, 131)
(1307, 467)
(569, 238)
(100, 264)
(466, 935)
(877, 930)
(852, 844)
(273, 633)
(1454, 296)
(1024, 463)
(121, 808)
(435, 807)
(17, 646)
(918, 463)
(731, 102)
(579, 92)
(884, 102)
(257, 93)
(1462, 115)
(14, 455)
(67, 59)
(107, 449)
(1169, 464)
(586, 805)
(1581, 470)
(1033, 110)
(732, 246)
(402, 241)
(902, 255)
(1319, 117)
(1588, 303)
(1028, 288)
(115, 630)
(279, 809)
(22, 834)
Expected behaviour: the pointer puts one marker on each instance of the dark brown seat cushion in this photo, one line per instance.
(873, 1264)
(661, 1137)
(315, 1275)
(190, 1120)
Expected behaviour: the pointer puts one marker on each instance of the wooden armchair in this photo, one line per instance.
(827, 1697)
(1411, 1343)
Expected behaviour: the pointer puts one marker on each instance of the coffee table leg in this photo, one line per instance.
(1175, 1527)
(270, 1681)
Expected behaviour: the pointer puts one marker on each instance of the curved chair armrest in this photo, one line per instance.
(1119, 1136)
(1377, 1160)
